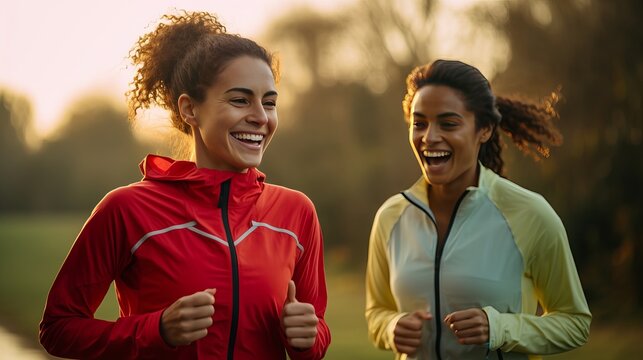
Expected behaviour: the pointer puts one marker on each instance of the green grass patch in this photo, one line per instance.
(32, 249)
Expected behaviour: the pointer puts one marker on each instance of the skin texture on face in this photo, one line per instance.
(234, 124)
(444, 139)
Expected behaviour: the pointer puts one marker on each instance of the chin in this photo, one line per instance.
(435, 179)
(249, 163)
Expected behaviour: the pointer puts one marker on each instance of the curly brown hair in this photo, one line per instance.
(184, 55)
(530, 126)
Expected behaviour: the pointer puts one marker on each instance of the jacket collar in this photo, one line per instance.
(245, 187)
(486, 179)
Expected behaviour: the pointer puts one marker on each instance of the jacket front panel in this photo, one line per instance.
(165, 237)
(480, 265)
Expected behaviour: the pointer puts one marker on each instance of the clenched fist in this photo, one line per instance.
(470, 326)
(408, 331)
(188, 318)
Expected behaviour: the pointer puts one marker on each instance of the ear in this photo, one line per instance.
(485, 134)
(187, 109)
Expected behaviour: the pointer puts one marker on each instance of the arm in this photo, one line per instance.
(310, 283)
(381, 310)
(68, 327)
(565, 322)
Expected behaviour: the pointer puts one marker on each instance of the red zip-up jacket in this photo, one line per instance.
(180, 230)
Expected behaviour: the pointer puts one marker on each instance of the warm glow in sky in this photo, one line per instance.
(54, 52)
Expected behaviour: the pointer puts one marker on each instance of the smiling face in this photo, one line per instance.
(444, 138)
(234, 124)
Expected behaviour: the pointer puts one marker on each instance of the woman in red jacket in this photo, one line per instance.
(209, 261)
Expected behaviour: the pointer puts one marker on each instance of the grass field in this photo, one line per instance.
(32, 249)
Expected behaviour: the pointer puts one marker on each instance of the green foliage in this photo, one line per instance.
(14, 125)
(594, 51)
(94, 152)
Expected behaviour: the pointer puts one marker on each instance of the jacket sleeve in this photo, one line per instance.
(310, 281)
(68, 327)
(381, 309)
(564, 324)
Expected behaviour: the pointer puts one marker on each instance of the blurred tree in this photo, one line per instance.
(343, 140)
(594, 49)
(394, 36)
(15, 128)
(92, 153)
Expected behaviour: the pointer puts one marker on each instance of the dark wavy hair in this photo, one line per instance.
(184, 55)
(529, 125)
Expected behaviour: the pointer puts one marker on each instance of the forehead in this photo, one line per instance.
(437, 99)
(246, 72)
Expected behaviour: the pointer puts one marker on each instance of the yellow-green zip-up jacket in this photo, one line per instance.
(506, 251)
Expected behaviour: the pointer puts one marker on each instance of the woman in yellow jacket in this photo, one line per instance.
(460, 261)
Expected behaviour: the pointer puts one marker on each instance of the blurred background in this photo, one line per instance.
(65, 139)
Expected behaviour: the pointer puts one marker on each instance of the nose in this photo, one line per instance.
(258, 114)
(431, 134)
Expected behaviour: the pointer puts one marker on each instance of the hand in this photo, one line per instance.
(188, 318)
(470, 326)
(299, 321)
(408, 331)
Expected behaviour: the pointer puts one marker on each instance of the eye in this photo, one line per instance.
(270, 104)
(419, 124)
(448, 124)
(239, 101)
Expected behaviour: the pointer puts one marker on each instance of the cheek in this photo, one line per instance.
(274, 123)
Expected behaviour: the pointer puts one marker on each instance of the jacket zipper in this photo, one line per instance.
(436, 274)
(436, 281)
(223, 205)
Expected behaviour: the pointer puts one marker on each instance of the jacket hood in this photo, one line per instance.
(161, 168)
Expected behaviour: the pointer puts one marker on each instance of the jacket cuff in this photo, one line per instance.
(150, 336)
(390, 331)
(495, 331)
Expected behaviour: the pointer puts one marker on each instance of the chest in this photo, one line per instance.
(256, 258)
(476, 264)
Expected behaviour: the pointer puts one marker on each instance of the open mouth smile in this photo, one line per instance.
(436, 157)
(248, 138)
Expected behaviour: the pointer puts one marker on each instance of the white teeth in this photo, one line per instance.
(246, 136)
(435, 153)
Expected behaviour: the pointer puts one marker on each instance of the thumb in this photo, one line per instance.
(292, 290)
(423, 315)
(211, 292)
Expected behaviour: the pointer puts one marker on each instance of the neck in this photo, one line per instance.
(446, 195)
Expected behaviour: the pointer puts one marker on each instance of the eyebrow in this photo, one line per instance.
(250, 92)
(443, 115)
(449, 114)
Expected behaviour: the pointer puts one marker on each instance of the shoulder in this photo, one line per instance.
(137, 197)
(392, 207)
(512, 198)
(124, 195)
(531, 218)
(286, 197)
(389, 214)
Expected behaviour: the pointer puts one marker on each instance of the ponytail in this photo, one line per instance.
(158, 53)
(184, 55)
(530, 127)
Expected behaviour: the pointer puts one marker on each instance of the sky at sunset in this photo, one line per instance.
(54, 52)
